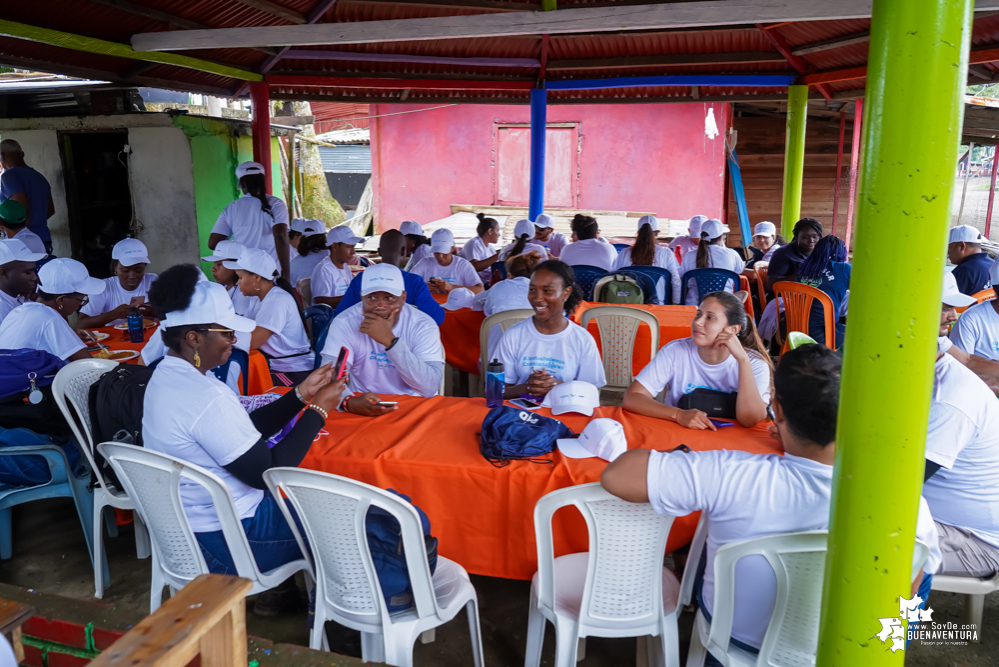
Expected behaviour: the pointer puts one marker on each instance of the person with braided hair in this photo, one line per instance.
(785, 262)
(827, 269)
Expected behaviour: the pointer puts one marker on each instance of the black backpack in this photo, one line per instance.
(115, 404)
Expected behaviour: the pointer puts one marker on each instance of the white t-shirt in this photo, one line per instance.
(155, 349)
(746, 496)
(555, 243)
(368, 364)
(963, 438)
(245, 221)
(31, 239)
(198, 419)
(419, 254)
(528, 247)
(719, 257)
(590, 252)
(278, 313)
(459, 272)
(327, 280)
(685, 243)
(303, 266)
(571, 354)
(8, 303)
(509, 294)
(678, 367)
(475, 250)
(36, 326)
(115, 295)
(977, 331)
(663, 259)
(242, 304)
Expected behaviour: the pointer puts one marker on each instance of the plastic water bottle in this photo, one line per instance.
(134, 319)
(495, 384)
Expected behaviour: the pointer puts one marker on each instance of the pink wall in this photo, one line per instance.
(638, 157)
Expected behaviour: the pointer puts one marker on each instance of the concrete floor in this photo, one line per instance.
(49, 555)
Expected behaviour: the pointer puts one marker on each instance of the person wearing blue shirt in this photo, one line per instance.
(392, 249)
(971, 265)
(826, 269)
(27, 186)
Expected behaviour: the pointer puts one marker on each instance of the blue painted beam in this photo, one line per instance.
(749, 81)
(539, 125)
(735, 173)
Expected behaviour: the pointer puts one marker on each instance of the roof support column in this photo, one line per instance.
(904, 205)
(539, 124)
(794, 158)
(260, 100)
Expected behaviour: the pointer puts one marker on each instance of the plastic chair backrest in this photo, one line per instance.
(707, 281)
(332, 511)
(505, 319)
(319, 318)
(152, 480)
(304, 289)
(586, 277)
(500, 269)
(980, 297)
(762, 269)
(656, 274)
(621, 246)
(71, 386)
(242, 359)
(644, 284)
(797, 299)
(618, 328)
(623, 585)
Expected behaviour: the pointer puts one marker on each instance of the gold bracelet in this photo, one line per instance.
(318, 409)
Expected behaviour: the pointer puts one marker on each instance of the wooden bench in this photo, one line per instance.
(12, 617)
(207, 618)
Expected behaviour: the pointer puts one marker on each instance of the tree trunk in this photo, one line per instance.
(317, 202)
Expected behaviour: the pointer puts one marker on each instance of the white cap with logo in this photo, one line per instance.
(574, 396)
(544, 221)
(765, 228)
(303, 225)
(67, 276)
(952, 296)
(248, 168)
(713, 228)
(342, 234)
(442, 241)
(459, 298)
(523, 227)
(966, 234)
(695, 226)
(210, 304)
(410, 227)
(255, 261)
(382, 277)
(602, 437)
(226, 250)
(649, 220)
(14, 250)
(129, 252)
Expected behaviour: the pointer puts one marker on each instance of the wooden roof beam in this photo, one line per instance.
(977, 57)
(274, 9)
(666, 60)
(389, 98)
(490, 5)
(395, 84)
(835, 43)
(797, 63)
(355, 56)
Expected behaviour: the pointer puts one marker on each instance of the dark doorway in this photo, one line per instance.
(97, 194)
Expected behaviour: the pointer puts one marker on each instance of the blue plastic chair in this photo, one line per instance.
(621, 246)
(320, 315)
(241, 359)
(587, 277)
(707, 281)
(500, 268)
(655, 273)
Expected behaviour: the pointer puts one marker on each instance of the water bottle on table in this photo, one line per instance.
(495, 384)
(134, 319)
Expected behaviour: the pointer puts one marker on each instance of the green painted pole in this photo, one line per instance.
(904, 204)
(794, 158)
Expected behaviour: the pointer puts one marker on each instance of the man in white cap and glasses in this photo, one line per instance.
(332, 275)
(445, 271)
(392, 349)
(257, 219)
(64, 286)
(545, 235)
(972, 265)
(689, 243)
(126, 289)
(18, 276)
(764, 243)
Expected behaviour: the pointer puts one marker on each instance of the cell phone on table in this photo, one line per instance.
(386, 404)
(719, 423)
(525, 404)
(341, 362)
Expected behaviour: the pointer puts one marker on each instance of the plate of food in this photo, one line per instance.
(115, 355)
(147, 323)
(98, 335)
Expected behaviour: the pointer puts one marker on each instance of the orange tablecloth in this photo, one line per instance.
(118, 340)
(482, 515)
(674, 323)
(460, 337)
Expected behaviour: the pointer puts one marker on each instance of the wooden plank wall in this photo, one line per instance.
(761, 158)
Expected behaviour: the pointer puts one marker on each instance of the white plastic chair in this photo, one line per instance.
(332, 511)
(618, 327)
(798, 561)
(504, 320)
(71, 386)
(152, 481)
(974, 590)
(619, 588)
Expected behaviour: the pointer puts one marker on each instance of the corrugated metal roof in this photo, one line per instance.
(346, 159)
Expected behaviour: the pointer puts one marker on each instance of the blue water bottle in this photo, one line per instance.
(134, 320)
(495, 384)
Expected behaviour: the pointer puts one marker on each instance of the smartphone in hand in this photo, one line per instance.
(341, 363)
(136, 301)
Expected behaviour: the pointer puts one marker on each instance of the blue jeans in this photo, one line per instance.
(271, 540)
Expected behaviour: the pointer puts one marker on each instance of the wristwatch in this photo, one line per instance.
(392, 344)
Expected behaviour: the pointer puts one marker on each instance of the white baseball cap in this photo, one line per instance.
(965, 233)
(342, 234)
(602, 437)
(409, 227)
(952, 296)
(226, 250)
(695, 226)
(713, 228)
(544, 221)
(66, 276)
(442, 240)
(459, 298)
(302, 225)
(129, 252)
(382, 277)
(255, 261)
(765, 228)
(14, 250)
(249, 168)
(649, 220)
(575, 396)
(523, 227)
(210, 304)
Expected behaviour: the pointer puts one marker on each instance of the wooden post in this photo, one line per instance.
(858, 121)
(964, 188)
(260, 97)
(839, 169)
(992, 192)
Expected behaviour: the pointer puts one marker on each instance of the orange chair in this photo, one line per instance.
(798, 300)
(980, 297)
(761, 269)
